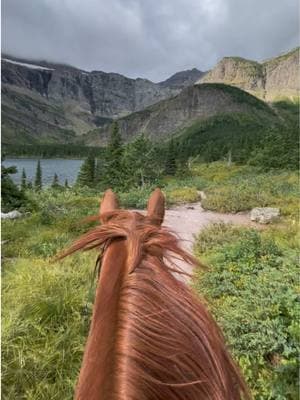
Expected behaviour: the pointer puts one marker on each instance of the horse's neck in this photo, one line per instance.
(96, 375)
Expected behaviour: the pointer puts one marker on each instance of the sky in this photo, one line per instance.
(148, 38)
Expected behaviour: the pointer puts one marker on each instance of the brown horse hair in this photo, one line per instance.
(151, 337)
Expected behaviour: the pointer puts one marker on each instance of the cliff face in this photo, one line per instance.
(106, 94)
(195, 103)
(271, 80)
(54, 101)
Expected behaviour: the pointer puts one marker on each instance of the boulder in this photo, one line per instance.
(264, 215)
(11, 215)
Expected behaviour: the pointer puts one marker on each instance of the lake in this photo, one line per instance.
(64, 168)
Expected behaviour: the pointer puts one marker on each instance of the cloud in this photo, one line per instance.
(147, 38)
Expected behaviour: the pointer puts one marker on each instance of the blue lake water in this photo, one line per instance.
(64, 168)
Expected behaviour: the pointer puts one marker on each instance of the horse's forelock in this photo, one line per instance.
(144, 238)
(167, 345)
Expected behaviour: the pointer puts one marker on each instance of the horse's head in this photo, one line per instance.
(150, 336)
(142, 234)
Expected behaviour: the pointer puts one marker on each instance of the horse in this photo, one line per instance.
(151, 337)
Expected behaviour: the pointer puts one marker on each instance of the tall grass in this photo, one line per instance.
(46, 312)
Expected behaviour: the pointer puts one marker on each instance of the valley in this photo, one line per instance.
(53, 104)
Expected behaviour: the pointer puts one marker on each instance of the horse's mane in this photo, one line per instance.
(167, 345)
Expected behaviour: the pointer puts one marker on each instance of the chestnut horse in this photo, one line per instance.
(150, 338)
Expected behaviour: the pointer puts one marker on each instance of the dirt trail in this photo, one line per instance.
(189, 219)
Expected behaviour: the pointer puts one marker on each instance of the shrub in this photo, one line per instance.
(236, 198)
(244, 193)
(135, 198)
(215, 235)
(251, 289)
(181, 195)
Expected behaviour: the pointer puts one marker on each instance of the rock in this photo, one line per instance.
(59, 101)
(11, 215)
(270, 80)
(264, 215)
(201, 194)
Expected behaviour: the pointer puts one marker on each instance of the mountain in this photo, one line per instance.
(183, 79)
(272, 80)
(196, 103)
(46, 102)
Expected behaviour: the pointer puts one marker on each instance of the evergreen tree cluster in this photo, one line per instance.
(136, 164)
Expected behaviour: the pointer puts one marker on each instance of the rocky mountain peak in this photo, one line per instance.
(273, 79)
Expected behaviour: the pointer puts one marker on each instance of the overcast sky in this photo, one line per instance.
(148, 38)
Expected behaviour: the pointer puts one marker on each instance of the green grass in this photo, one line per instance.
(47, 306)
(46, 312)
(241, 188)
(252, 289)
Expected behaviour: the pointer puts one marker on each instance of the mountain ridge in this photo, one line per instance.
(171, 117)
(273, 79)
(81, 100)
(57, 103)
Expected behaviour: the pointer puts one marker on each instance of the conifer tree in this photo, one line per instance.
(23, 180)
(86, 175)
(55, 183)
(100, 170)
(11, 196)
(140, 165)
(113, 168)
(38, 176)
(170, 166)
(66, 183)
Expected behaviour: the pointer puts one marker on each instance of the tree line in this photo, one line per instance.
(123, 166)
(120, 166)
(49, 150)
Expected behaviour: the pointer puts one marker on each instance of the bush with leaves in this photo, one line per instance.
(251, 289)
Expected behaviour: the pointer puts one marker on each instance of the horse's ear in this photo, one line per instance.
(156, 207)
(109, 202)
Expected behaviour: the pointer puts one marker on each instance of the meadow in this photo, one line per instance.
(250, 284)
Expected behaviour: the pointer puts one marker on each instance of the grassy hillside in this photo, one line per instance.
(244, 136)
(195, 104)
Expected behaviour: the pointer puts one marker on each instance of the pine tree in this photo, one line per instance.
(170, 166)
(140, 166)
(66, 183)
(23, 180)
(113, 168)
(38, 176)
(99, 170)
(55, 183)
(11, 196)
(86, 175)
